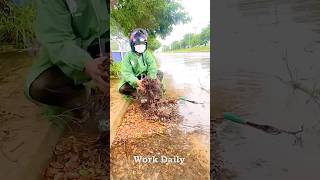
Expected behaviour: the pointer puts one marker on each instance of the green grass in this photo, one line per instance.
(16, 24)
(193, 49)
(115, 70)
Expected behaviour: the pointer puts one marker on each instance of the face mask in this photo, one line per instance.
(140, 48)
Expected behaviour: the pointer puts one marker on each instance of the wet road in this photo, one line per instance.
(249, 55)
(188, 74)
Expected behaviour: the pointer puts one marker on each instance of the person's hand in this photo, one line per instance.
(96, 71)
(140, 85)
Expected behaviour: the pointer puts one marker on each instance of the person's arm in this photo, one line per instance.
(55, 33)
(152, 66)
(127, 72)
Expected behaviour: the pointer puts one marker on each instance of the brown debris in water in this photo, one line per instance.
(164, 110)
(154, 105)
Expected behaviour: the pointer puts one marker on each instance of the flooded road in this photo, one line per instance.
(188, 75)
(270, 39)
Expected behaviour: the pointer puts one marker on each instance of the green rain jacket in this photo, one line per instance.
(64, 29)
(134, 65)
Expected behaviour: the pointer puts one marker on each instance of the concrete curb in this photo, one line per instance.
(116, 116)
(41, 157)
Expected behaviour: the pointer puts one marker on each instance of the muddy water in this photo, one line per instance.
(188, 75)
(249, 57)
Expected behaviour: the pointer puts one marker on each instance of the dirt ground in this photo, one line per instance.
(79, 156)
(22, 128)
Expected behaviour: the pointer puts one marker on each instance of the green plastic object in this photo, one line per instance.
(183, 98)
(233, 117)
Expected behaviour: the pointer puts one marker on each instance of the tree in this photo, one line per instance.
(156, 16)
(191, 40)
(175, 45)
(187, 40)
(153, 44)
(165, 48)
(205, 35)
(195, 40)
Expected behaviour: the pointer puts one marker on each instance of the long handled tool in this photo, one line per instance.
(182, 98)
(266, 128)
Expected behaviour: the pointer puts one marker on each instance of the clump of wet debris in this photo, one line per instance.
(79, 157)
(153, 103)
(100, 101)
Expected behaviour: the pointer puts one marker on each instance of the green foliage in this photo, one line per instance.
(195, 40)
(165, 48)
(16, 24)
(115, 70)
(176, 45)
(115, 28)
(191, 40)
(205, 36)
(153, 44)
(156, 16)
(114, 45)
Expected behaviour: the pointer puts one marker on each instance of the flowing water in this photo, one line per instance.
(188, 75)
(254, 42)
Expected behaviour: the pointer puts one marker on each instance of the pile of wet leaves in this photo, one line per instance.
(164, 110)
(100, 101)
(153, 103)
(79, 157)
(134, 125)
(153, 90)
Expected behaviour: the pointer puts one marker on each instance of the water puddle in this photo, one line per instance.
(251, 55)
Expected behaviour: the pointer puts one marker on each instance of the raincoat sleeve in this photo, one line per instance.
(55, 34)
(127, 72)
(152, 66)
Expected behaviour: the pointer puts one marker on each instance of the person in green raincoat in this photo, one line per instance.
(137, 64)
(71, 34)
